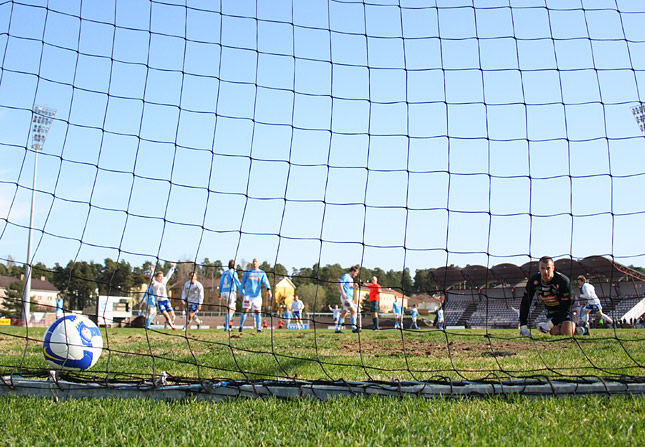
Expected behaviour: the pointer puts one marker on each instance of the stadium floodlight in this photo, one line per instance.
(639, 114)
(41, 121)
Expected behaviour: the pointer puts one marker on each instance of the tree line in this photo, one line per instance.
(81, 282)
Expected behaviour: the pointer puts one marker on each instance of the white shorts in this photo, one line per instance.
(230, 299)
(252, 302)
(59, 313)
(348, 304)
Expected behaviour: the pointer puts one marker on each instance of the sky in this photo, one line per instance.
(392, 134)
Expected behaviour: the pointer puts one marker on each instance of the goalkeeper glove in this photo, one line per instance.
(545, 327)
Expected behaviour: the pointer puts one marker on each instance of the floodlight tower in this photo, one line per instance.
(42, 119)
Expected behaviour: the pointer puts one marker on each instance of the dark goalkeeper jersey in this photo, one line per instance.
(556, 296)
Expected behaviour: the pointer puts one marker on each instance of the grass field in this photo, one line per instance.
(324, 355)
(425, 355)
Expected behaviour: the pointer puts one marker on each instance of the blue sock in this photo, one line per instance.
(353, 321)
(227, 321)
(258, 322)
(149, 321)
(242, 319)
(340, 323)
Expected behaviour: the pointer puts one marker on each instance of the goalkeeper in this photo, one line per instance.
(554, 289)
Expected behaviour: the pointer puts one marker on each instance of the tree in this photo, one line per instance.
(183, 270)
(406, 282)
(116, 278)
(13, 303)
(423, 282)
(379, 273)
(302, 276)
(392, 279)
(329, 278)
(77, 283)
(314, 297)
(211, 270)
(12, 268)
(39, 270)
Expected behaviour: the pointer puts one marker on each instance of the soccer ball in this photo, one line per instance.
(72, 341)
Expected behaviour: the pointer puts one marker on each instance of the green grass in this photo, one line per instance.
(588, 421)
(323, 355)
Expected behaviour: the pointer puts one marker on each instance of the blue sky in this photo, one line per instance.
(393, 134)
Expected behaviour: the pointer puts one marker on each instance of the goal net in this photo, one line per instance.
(442, 146)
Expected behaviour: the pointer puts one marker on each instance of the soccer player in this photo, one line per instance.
(375, 296)
(554, 289)
(593, 306)
(193, 297)
(161, 295)
(414, 313)
(347, 299)
(296, 307)
(148, 302)
(59, 306)
(517, 314)
(229, 284)
(251, 286)
(440, 318)
(287, 315)
(335, 312)
(397, 310)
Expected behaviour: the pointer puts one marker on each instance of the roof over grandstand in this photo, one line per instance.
(478, 276)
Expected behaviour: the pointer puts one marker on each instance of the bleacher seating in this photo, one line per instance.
(493, 308)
